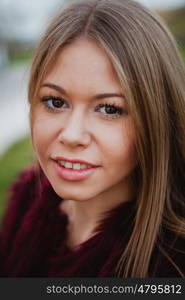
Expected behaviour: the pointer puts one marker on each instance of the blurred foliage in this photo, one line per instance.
(175, 19)
(182, 51)
(20, 57)
(15, 159)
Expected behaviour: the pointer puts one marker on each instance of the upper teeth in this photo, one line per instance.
(75, 166)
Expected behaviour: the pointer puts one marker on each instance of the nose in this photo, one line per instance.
(74, 132)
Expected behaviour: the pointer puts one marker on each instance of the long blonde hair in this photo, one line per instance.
(149, 67)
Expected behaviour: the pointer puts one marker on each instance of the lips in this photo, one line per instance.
(60, 158)
(71, 174)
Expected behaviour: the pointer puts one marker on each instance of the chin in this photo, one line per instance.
(75, 195)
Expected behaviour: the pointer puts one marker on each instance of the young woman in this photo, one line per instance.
(107, 195)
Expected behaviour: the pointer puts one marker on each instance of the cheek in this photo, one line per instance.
(43, 130)
(120, 147)
(39, 139)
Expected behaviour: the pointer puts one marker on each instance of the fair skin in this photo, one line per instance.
(77, 130)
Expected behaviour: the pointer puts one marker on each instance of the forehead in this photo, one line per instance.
(83, 62)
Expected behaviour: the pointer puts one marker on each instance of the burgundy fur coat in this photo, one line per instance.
(33, 231)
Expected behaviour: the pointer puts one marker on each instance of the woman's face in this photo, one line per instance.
(81, 114)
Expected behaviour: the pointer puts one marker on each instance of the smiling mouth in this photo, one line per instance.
(73, 162)
(74, 166)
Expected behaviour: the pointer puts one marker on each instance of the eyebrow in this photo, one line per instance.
(63, 91)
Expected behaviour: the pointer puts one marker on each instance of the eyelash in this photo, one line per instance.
(119, 109)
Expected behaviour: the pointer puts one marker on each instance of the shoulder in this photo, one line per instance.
(32, 204)
(30, 186)
(22, 190)
(26, 178)
(24, 195)
(20, 193)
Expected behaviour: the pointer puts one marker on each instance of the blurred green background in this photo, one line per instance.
(20, 154)
(16, 158)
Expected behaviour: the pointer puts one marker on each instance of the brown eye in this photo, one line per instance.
(53, 103)
(57, 103)
(110, 110)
